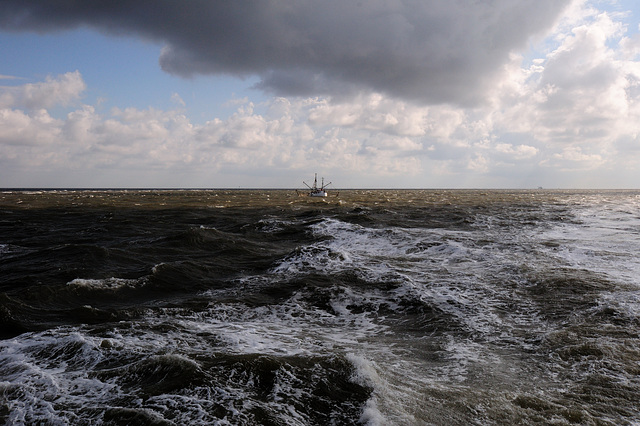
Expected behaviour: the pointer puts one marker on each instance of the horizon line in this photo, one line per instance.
(5, 189)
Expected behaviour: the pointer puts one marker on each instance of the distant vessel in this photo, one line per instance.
(315, 191)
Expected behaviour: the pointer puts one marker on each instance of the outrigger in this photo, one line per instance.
(315, 191)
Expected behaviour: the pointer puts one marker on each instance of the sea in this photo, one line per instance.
(367, 307)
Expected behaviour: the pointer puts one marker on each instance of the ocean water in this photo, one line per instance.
(381, 307)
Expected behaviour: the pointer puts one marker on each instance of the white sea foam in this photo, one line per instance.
(289, 328)
(414, 260)
(106, 284)
(597, 248)
(273, 224)
(43, 368)
(54, 365)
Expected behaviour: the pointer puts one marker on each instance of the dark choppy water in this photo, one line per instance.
(372, 307)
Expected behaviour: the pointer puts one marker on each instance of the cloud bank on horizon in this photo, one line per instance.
(402, 93)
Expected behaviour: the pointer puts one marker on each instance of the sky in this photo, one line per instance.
(366, 93)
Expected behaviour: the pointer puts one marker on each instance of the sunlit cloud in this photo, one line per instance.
(60, 90)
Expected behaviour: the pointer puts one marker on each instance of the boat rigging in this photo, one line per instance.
(315, 190)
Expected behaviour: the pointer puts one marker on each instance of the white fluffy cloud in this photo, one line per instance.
(61, 90)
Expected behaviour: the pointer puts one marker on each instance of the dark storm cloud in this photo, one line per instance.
(425, 50)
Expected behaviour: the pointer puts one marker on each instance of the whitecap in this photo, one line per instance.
(106, 284)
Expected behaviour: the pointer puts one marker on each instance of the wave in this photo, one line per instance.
(106, 284)
(421, 307)
(66, 375)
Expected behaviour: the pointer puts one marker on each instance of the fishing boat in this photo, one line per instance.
(315, 190)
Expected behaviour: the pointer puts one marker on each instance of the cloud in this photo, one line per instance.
(584, 92)
(176, 99)
(27, 130)
(567, 112)
(281, 137)
(8, 77)
(61, 90)
(435, 51)
(517, 152)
